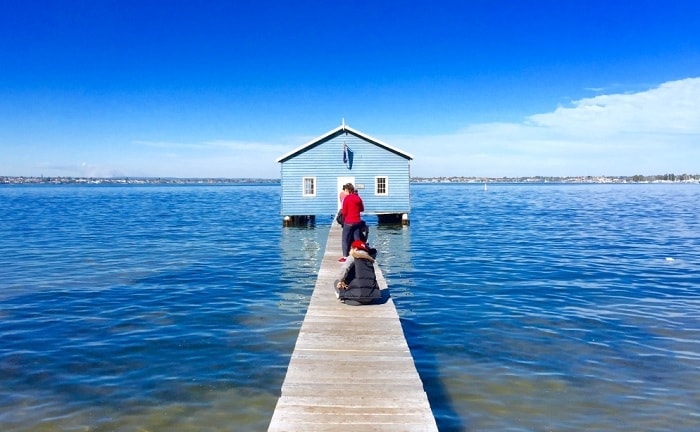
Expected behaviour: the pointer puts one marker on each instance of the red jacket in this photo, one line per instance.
(352, 207)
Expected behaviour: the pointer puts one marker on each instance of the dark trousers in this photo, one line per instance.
(351, 232)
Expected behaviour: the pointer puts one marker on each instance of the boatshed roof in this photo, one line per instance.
(343, 128)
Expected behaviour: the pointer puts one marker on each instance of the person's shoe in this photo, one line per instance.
(343, 259)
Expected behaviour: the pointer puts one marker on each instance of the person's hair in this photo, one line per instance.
(350, 187)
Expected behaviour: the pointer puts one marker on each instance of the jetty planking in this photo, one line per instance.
(351, 368)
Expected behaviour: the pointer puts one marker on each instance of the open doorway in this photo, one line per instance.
(341, 182)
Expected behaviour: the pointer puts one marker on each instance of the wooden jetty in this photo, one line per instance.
(351, 369)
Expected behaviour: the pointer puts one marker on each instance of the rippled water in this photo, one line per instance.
(543, 307)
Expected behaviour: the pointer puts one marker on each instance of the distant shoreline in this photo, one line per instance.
(659, 178)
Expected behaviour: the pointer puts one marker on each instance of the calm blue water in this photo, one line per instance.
(176, 308)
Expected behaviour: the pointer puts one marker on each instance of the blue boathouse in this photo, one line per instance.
(313, 174)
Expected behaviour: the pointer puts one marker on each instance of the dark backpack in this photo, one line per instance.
(339, 217)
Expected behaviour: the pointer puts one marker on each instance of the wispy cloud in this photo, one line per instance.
(79, 169)
(652, 131)
(213, 158)
(214, 145)
(670, 108)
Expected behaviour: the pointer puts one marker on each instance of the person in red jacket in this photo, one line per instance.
(352, 220)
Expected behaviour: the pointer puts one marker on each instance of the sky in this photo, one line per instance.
(475, 88)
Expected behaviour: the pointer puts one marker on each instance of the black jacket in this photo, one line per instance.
(358, 273)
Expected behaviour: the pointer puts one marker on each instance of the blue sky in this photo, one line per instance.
(470, 88)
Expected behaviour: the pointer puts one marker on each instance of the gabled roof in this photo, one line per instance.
(343, 128)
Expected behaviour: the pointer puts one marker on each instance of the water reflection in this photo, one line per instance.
(301, 253)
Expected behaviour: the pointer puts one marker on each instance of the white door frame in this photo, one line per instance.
(341, 182)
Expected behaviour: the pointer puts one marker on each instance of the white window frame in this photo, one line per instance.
(304, 190)
(386, 185)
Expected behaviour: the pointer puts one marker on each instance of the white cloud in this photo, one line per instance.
(215, 158)
(78, 169)
(649, 132)
(655, 131)
(673, 107)
(228, 145)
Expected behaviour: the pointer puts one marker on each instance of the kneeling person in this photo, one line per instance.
(357, 282)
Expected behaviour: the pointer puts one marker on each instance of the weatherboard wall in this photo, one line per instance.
(365, 162)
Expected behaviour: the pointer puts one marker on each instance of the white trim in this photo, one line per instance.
(344, 127)
(386, 185)
(314, 186)
(313, 141)
(383, 144)
(340, 181)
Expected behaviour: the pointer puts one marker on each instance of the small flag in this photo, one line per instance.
(345, 153)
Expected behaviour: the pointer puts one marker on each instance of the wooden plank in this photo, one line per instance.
(351, 368)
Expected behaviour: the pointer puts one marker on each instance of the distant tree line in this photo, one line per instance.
(638, 178)
(665, 177)
(657, 178)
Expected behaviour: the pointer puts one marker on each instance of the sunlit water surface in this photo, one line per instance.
(176, 308)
